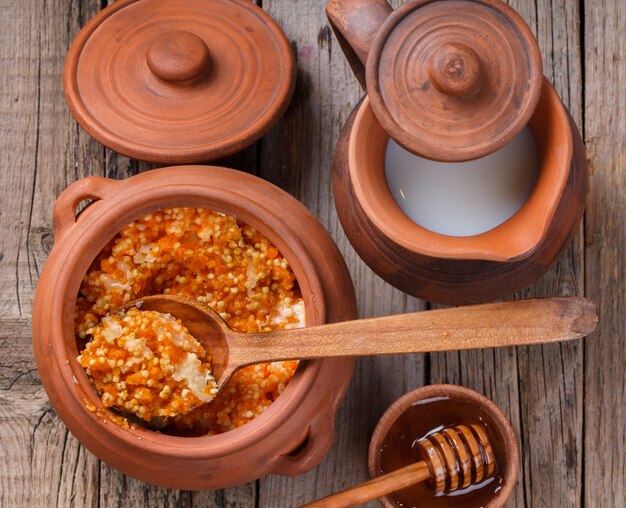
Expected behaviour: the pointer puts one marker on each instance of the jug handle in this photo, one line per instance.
(355, 24)
(64, 213)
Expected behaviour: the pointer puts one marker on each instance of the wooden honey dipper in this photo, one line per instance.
(453, 458)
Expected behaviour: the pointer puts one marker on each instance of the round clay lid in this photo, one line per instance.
(179, 81)
(454, 80)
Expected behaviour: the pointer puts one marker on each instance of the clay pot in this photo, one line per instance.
(440, 99)
(295, 432)
(426, 409)
(458, 270)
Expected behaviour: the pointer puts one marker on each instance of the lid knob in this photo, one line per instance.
(178, 56)
(454, 69)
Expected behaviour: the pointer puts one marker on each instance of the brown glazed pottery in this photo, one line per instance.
(295, 432)
(437, 267)
(459, 270)
(428, 409)
(179, 81)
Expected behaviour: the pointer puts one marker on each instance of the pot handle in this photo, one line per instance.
(316, 443)
(355, 23)
(64, 213)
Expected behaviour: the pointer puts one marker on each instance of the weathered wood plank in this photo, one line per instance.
(243, 496)
(551, 376)
(51, 468)
(20, 68)
(119, 490)
(605, 355)
(297, 156)
(47, 466)
(18, 373)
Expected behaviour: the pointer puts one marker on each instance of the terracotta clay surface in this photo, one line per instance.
(295, 432)
(451, 80)
(458, 270)
(176, 81)
(424, 412)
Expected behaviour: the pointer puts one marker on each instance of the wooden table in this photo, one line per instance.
(567, 402)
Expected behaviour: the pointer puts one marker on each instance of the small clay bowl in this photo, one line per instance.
(451, 269)
(293, 434)
(427, 409)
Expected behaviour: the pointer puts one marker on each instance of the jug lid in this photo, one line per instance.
(179, 81)
(454, 80)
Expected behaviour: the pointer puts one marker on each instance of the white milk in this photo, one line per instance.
(463, 198)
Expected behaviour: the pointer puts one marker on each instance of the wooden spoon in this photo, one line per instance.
(453, 459)
(515, 323)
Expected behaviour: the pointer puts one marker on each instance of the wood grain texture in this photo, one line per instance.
(550, 378)
(605, 356)
(44, 465)
(571, 450)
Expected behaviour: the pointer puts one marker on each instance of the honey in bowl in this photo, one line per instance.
(423, 418)
(463, 198)
(216, 260)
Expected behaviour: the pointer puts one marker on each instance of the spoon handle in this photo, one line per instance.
(514, 323)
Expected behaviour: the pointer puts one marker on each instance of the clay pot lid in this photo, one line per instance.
(179, 81)
(454, 80)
